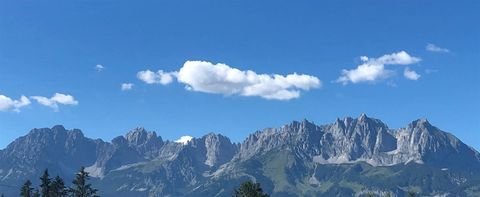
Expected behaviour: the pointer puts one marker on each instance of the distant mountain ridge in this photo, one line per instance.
(352, 156)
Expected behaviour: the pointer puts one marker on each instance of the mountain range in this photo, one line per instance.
(350, 157)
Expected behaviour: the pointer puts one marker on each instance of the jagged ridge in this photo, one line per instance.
(151, 165)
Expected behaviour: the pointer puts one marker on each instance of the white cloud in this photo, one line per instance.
(399, 58)
(160, 77)
(55, 100)
(220, 78)
(203, 76)
(126, 86)
(435, 48)
(411, 74)
(184, 139)
(7, 104)
(373, 69)
(99, 67)
(364, 72)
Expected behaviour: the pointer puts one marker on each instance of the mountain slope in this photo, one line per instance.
(352, 156)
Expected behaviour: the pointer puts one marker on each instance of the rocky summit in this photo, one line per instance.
(350, 157)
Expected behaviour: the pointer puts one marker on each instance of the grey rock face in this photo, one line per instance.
(55, 148)
(217, 149)
(362, 139)
(138, 145)
(140, 162)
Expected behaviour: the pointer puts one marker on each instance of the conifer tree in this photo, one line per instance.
(57, 188)
(80, 186)
(26, 190)
(45, 182)
(412, 194)
(36, 193)
(249, 189)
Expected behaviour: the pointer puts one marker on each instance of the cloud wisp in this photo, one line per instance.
(55, 100)
(434, 48)
(99, 68)
(411, 74)
(158, 77)
(373, 69)
(9, 104)
(207, 77)
(126, 86)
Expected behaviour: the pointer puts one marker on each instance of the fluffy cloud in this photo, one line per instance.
(399, 58)
(219, 78)
(373, 69)
(410, 74)
(364, 72)
(434, 48)
(207, 77)
(159, 77)
(99, 67)
(184, 139)
(126, 86)
(7, 104)
(55, 100)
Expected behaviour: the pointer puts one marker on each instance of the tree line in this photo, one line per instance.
(55, 187)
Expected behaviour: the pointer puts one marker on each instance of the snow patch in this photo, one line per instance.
(184, 139)
(8, 174)
(141, 189)
(124, 167)
(123, 187)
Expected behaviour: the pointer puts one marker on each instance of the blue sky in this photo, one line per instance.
(393, 60)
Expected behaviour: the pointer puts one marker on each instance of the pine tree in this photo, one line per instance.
(26, 190)
(249, 189)
(45, 182)
(57, 188)
(80, 186)
(36, 193)
(412, 194)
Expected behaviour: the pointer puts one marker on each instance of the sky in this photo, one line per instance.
(233, 67)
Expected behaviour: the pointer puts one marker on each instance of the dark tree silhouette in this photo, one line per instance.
(36, 193)
(57, 188)
(249, 189)
(412, 194)
(45, 182)
(26, 190)
(80, 186)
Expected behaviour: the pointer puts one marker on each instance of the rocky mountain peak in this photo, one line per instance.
(219, 149)
(420, 123)
(215, 137)
(300, 144)
(362, 117)
(58, 128)
(140, 136)
(298, 126)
